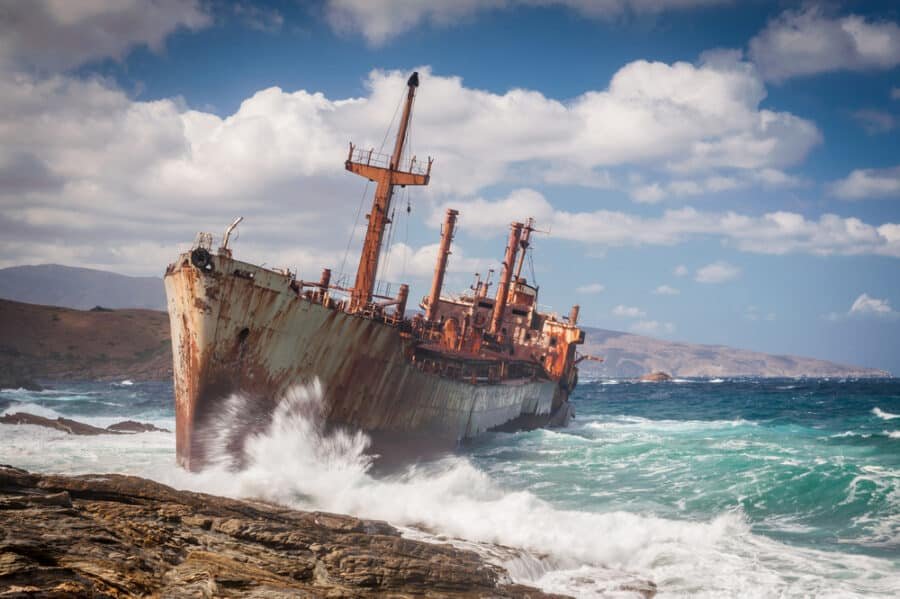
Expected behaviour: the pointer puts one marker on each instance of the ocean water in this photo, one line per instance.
(723, 488)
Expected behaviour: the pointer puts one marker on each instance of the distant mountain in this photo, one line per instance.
(626, 356)
(80, 288)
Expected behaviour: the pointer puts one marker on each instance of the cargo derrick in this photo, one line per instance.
(469, 364)
(386, 177)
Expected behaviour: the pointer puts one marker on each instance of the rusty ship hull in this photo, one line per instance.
(240, 328)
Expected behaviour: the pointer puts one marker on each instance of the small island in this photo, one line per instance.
(656, 377)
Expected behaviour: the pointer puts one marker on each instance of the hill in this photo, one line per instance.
(62, 343)
(626, 355)
(80, 288)
(47, 342)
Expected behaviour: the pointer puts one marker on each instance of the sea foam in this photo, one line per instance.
(293, 461)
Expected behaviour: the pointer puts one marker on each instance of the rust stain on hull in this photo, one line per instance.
(256, 336)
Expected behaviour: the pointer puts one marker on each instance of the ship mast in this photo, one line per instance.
(386, 176)
(524, 243)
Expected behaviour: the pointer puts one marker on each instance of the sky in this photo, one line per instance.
(709, 171)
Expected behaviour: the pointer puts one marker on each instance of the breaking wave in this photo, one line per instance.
(884, 415)
(30, 408)
(293, 460)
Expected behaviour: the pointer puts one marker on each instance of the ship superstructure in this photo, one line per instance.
(467, 364)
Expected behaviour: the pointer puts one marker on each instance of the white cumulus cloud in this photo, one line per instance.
(717, 272)
(80, 160)
(778, 232)
(872, 306)
(868, 183)
(809, 41)
(57, 35)
(666, 290)
(628, 312)
(380, 20)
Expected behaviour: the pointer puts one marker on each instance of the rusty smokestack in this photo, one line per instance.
(325, 281)
(402, 296)
(440, 266)
(573, 314)
(482, 291)
(509, 261)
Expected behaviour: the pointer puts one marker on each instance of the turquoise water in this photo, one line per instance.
(740, 488)
(814, 463)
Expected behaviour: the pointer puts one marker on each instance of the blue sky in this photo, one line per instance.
(710, 171)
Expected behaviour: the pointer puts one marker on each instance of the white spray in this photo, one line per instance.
(293, 461)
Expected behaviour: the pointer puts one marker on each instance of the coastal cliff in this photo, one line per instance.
(116, 536)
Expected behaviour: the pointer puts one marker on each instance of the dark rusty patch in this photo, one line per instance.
(201, 305)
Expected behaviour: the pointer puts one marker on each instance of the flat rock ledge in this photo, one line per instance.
(73, 427)
(123, 536)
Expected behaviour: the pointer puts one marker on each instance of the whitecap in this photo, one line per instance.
(884, 415)
(627, 423)
(31, 408)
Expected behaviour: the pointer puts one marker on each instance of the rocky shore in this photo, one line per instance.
(120, 536)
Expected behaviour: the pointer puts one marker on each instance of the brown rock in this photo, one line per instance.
(656, 377)
(72, 427)
(127, 536)
(131, 426)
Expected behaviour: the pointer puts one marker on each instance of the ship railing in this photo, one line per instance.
(384, 289)
(376, 311)
(372, 158)
(203, 240)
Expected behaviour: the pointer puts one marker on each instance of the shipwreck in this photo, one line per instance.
(464, 365)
